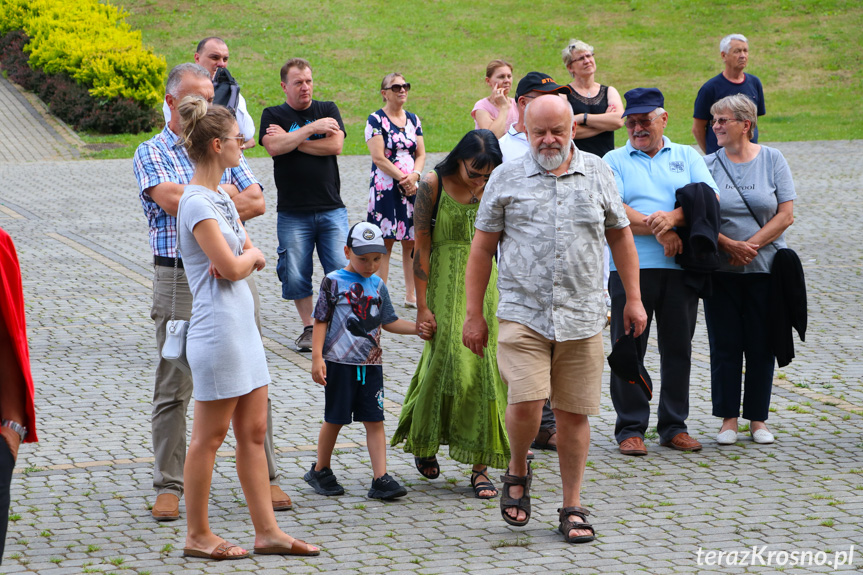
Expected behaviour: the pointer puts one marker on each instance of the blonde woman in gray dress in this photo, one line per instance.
(224, 348)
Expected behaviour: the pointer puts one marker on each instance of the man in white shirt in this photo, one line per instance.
(212, 54)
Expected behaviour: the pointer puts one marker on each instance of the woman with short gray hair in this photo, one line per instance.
(756, 207)
(598, 108)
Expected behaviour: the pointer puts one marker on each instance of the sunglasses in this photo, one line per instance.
(241, 139)
(399, 87)
(723, 121)
(474, 175)
(631, 124)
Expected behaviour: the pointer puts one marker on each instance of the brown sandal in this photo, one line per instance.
(522, 503)
(567, 525)
(298, 547)
(543, 437)
(220, 553)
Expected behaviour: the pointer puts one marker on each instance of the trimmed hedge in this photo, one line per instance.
(84, 61)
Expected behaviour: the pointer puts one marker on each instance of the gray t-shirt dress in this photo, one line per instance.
(224, 347)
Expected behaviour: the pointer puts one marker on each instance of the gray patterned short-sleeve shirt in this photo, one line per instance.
(553, 227)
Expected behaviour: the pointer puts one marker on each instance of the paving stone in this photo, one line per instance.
(78, 225)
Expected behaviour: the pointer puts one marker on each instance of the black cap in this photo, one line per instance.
(643, 101)
(624, 363)
(537, 81)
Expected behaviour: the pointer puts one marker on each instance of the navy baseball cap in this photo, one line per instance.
(541, 83)
(643, 101)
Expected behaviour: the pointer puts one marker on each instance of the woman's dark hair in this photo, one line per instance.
(479, 146)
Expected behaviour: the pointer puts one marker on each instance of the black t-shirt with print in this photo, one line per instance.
(304, 182)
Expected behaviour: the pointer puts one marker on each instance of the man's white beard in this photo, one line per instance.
(548, 162)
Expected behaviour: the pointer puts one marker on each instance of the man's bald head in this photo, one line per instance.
(550, 127)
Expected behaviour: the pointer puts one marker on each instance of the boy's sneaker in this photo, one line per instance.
(324, 481)
(304, 342)
(385, 487)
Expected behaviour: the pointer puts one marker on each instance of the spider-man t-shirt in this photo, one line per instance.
(355, 308)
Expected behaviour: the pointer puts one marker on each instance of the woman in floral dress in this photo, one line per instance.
(395, 139)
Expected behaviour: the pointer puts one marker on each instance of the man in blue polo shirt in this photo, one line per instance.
(648, 171)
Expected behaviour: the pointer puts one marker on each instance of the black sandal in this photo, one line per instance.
(522, 503)
(543, 437)
(480, 486)
(428, 466)
(567, 525)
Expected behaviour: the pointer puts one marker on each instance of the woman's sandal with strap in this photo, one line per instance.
(522, 503)
(567, 525)
(480, 486)
(428, 466)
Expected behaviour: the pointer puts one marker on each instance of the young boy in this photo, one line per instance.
(352, 307)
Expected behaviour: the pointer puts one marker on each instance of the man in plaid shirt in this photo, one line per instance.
(163, 169)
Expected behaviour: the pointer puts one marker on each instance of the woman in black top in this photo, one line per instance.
(598, 109)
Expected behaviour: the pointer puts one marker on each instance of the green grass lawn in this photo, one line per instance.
(806, 52)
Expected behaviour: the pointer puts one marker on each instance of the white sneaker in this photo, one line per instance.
(727, 437)
(762, 436)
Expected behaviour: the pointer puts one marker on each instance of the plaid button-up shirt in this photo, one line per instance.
(163, 158)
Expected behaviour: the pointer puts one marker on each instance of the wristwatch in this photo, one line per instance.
(417, 173)
(15, 426)
(584, 120)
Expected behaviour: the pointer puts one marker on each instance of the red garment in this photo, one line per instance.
(12, 310)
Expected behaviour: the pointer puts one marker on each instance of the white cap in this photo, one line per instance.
(366, 238)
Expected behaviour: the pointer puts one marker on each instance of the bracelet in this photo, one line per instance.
(417, 173)
(584, 121)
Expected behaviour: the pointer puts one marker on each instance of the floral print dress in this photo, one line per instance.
(389, 209)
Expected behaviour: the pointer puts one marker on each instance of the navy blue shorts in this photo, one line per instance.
(356, 390)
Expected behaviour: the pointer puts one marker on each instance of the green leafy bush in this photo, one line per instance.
(70, 101)
(91, 43)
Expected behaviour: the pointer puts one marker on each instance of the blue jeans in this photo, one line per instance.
(301, 232)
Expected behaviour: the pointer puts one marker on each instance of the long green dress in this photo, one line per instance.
(455, 397)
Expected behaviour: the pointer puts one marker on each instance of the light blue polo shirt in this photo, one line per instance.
(648, 185)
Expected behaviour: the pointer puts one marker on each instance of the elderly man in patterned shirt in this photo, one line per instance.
(548, 213)
(163, 168)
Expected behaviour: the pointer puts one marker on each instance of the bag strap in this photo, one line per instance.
(176, 262)
(736, 187)
(436, 201)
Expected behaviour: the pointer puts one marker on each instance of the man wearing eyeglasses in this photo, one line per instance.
(734, 51)
(304, 138)
(212, 55)
(648, 170)
(163, 168)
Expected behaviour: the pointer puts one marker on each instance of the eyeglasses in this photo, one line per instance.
(241, 139)
(583, 57)
(723, 121)
(474, 175)
(632, 123)
(399, 87)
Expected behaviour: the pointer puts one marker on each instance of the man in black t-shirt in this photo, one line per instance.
(304, 136)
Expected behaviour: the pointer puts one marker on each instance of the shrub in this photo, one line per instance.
(70, 101)
(92, 43)
(84, 61)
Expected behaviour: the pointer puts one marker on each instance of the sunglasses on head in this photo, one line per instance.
(399, 87)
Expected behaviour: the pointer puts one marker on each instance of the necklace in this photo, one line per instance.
(473, 198)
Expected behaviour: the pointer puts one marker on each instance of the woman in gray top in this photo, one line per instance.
(224, 347)
(756, 207)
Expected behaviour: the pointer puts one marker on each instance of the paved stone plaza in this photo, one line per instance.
(80, 499)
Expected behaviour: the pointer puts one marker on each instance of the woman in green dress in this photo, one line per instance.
(455, 397)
